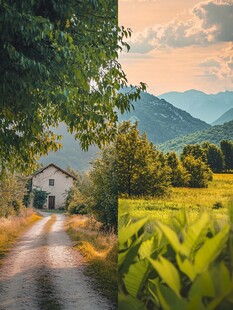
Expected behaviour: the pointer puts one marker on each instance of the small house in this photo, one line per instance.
(56, 182)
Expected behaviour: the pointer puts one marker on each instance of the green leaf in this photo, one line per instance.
(127, 232)
(169, 300)
(129, 303)
(168, 273)
(135, 277)
(203, 286)
(196, 233)
(173, 239)
(186, 267)
(147, 248)
(210, 250)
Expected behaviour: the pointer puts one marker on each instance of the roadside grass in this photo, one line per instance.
(13, 227)
(215, 199)
(53, 211)
(99, 251)
(49, 224)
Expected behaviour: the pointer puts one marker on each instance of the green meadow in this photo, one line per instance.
(216, 199)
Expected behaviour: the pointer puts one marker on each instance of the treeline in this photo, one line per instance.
(144, 170)
(214, 135)
(132, 166)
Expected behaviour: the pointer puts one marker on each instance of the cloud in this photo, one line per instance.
(210, 22)
(220, 67)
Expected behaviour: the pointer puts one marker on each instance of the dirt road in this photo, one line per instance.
(43, 272)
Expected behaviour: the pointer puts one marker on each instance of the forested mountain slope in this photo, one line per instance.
(214, 135)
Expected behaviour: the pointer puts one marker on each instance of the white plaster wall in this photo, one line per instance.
(62, 183)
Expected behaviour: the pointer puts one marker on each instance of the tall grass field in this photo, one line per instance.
(215, 199)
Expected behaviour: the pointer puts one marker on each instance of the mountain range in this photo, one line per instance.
(226, 117)
(207, 107)
(161, 120)
(165, 124)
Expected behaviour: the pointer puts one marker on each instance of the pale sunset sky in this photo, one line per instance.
(179, 45)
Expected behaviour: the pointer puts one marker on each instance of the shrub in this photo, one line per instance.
(217, 205)
(40, 198)
(200, 174)
(76, 202)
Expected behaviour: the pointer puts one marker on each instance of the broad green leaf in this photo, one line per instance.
(203, 286)
(128, 257)
(135, 277)
(171, 236)
(210, 250)
(223, 286)
(129, 303)
(169, 300)
(147, 248)
(196, 233)
(186, 267)
(168, 273)
(126, 233)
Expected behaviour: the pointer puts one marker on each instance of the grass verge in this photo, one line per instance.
(214, 199)
(99, 251)
(12, 227)
(49, 224)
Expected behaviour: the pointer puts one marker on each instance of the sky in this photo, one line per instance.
(177, 45)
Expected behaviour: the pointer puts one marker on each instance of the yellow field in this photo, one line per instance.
(217, 199)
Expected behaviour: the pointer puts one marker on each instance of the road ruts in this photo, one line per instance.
(43, 272)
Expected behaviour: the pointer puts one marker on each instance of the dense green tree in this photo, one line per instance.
(196, 150)
(215, 158)
(104, 189)
(199, 172)
(58, 64)
(227, 149)
(12, 191)
(179, 175)
(141, 168)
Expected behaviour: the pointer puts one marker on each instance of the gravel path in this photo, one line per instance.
(43, 272)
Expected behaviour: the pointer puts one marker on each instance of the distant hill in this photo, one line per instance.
(214, 135)
(71, 154)
(226, 117)
(203, 106)
(161, 120)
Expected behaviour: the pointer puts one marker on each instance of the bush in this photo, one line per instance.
(40, 198)
(200, 174)
(76, 202)
(217, 205)
(12, 191)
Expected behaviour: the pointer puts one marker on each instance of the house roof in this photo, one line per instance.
(55, 166)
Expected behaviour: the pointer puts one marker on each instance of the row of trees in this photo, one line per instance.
(132, 166)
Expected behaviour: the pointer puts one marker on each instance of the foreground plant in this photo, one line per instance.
(188, 266)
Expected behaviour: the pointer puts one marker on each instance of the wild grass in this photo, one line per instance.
(12, 227)
(99, 251)
(49, 223)
(215, 199)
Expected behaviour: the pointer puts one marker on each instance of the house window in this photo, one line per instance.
(51, 182)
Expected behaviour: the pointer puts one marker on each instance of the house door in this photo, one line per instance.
(51, 202)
